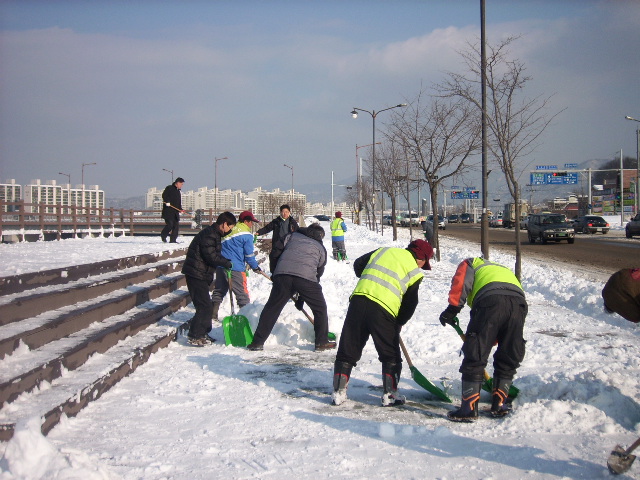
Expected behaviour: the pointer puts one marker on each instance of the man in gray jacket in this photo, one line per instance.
(298, 270)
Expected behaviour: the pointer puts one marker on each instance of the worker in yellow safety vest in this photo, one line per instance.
(338, 227)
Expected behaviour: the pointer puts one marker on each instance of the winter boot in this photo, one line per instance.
(341, 375)
(335, 254)
(390, 379)
(500, 405)
(214, 312)
(468, 411)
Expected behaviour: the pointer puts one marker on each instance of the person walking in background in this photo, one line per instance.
(281, 227)
(621, 294)
(384, 299)
(498, 311)
(238, 247)
(338, 228)
(298, 270)
(171, 210)
(203, 257)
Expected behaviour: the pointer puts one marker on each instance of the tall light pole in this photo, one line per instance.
(348, 187)
(83, 165)
(171, 172)
(291, 180)
(359, 180)
(215, 198)
(374, 114)
(637, 192)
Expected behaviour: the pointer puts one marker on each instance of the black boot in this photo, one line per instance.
(214, 312)
(500, 405)
(468, 411)
(390, 379)
(341, 375)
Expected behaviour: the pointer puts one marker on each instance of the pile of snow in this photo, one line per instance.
(226, 412)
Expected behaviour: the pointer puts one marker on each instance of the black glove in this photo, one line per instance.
(257, 270)
(447, 317)
(299, 302)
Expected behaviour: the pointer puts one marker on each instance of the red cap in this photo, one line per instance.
(339, 214)
(423, 251)
(247, 215)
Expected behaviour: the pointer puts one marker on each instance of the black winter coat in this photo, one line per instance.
(277, 240)
(171, 195)
(204, 255)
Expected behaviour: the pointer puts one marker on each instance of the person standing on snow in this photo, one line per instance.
(621, 294)
(384, 299)
(338, 228)
(238, 247)
(203, 257)
(298, 270)
(171, 210)
(498, 311)
(281, 227)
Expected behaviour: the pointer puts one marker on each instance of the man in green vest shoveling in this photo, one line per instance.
(498, 310)
(338, 228)
(384, 299)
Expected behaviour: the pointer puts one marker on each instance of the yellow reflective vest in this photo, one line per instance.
(336, 227)
(387, 276)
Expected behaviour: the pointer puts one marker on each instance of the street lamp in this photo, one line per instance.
(171, 172)
(215, 198)
(373, 113)
(83, 165)
(291, 181)
(348, 187)
(359, 179)
(637, 192)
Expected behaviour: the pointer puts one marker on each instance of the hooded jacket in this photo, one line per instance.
(204, 255)
(304, 255)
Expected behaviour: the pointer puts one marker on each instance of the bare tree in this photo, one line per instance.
(391, 163)
(440, 135)
(514, 122)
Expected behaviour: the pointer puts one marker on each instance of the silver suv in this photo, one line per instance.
(549, 227)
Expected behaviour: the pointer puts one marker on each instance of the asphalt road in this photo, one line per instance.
(604, 253)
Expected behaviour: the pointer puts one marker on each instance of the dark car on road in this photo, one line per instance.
(454, 218)
(465, 218)
(322, 218)
(590, 224)
(549, 227)
(633, 227)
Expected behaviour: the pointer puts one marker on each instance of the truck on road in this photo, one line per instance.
(509, 214)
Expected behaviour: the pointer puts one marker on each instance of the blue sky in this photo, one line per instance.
(141, 86)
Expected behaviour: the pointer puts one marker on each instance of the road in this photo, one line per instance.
(605, 253)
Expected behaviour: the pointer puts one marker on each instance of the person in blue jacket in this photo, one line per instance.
(338, 227)
(238, 247)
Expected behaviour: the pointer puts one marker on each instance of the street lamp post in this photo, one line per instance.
(291, 180)
(83, 165)
(215, 187)
(348, 187)
(374, 114)
(171, 172)
(637, 192)
(359, 181)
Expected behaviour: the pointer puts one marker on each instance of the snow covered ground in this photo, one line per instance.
(224, 412)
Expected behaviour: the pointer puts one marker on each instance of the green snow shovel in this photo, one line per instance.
(237, 331)
(620, 460)
(487, 385)
(421, 379)
(330, 335)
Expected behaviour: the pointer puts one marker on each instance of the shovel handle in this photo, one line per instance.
(633, 446)
(404, 351)
(456, 326)
(303, 310)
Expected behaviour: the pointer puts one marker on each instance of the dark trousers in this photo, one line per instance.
(238, 284)
(366, 318)
(201, 321)
(273, 259)
(172, 226)
(494, 318)
(284, 286)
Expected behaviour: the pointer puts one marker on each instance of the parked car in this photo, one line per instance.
(633, 227)
(442, 225)
(405, 218)
(322, 218)
(590, 224)
(495, 221)
(387, 219)
(454, 218)
(524, 222)
(549, 226)
(466, 218)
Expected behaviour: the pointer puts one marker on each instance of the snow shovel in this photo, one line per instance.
(330, 335)
(237, 331)
(620, 459)
(421, 379)
(487, 385)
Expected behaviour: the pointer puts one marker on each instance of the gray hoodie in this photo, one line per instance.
(304, 255)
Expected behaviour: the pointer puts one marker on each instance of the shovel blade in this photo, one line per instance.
(620, 461)
(237, 331)
(428, 386)
(487, 386)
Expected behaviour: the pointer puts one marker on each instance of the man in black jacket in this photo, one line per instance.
(281, 227)
(171, 210)
(298, 270)
(203, 257)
